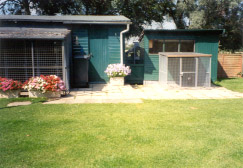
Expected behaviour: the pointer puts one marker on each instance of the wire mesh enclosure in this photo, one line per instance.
(22, 59)
(185, 69)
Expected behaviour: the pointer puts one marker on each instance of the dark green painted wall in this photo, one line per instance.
(103, 43)
(204, 43)
(209, 45)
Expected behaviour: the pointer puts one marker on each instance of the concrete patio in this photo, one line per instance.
(136, 93)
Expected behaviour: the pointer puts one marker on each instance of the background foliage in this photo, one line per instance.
(196, 14)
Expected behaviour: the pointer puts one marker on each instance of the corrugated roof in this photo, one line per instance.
(32, 33)
(69, 19)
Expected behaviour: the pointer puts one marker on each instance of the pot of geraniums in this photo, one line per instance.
(49, 86)
(116, 73)
(9, 88)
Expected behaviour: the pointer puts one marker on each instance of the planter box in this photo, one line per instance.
(36, 94)
(9, 94)
(117, 81)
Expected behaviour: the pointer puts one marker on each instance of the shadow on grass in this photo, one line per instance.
(217, 82)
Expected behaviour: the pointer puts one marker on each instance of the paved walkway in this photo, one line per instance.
(135, 94)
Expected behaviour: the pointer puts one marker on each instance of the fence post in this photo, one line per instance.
(241, 63)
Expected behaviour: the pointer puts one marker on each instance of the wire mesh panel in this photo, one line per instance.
(15, 53)
(20, 74)
(17, 61)
(188, 80)
(49, 71)
(188, 72)
(185, 71)
(48, 58)
(47, 53)
(173, 71)
(188, 65)
(163, 69)
(204, 71)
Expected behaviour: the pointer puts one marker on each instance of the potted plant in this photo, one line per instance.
(116, 73)
(9, 88)
(239, 74)
(49, 86)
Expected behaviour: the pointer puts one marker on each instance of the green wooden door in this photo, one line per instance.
(98, 43)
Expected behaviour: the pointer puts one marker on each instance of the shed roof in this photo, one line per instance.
(217, 31)
(184, 54)
(69, 19)
(33, 33)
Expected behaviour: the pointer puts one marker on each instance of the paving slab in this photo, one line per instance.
(136, 94)
(25, 103)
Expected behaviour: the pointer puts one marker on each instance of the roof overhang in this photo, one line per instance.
(184, 54)
(217, 31)
(66, 19)
(33, 33)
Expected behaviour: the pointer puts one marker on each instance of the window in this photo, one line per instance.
(155, 46)
(171, 45)
(187, 46)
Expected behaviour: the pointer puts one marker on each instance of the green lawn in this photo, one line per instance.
(235, 84)
(166, 133)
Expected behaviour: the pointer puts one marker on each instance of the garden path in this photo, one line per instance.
(136, 93)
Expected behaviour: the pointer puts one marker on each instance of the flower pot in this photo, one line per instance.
(117, 81)
(9, 94)
(35, 94)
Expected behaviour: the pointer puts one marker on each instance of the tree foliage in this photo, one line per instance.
(220, 14)
(40, 7)
(200, 14)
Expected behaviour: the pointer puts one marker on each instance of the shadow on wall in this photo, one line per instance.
(149, 61)
(94, 76)
(221, 71)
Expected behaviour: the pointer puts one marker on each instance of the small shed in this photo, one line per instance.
(182, 45)
(35, 45)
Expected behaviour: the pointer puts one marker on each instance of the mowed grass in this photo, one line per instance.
(166, 133)
(234, 84)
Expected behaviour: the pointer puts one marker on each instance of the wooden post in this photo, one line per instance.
(32, 56)
(241, 63)
(210, 62)
(181, 73)
(63, 63)
(196, 73)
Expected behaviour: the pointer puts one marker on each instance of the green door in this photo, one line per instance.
(98, 43)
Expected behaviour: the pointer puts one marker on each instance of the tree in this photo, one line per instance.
(179, 11)
(220, 14)
(200, 14)
(140, 12)
(41, 7)
(15, 7)
(97, 7)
